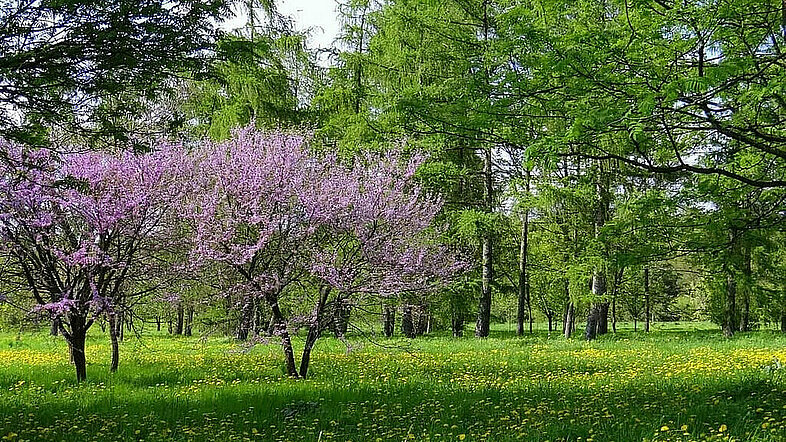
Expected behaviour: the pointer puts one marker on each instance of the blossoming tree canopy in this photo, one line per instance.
(77, 228)
(280, 215)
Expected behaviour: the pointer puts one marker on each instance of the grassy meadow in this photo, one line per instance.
(677, 383)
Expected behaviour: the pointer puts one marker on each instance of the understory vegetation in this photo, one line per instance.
(683, 382)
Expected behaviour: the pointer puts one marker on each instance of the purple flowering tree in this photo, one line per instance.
(282, 218)
(78, 228)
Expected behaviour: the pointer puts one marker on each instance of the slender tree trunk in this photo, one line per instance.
(189, 320)
(407, 324)
(783, 322)
(342, 313)
(647, 313)
(457, 324)
(158, 323)
(570, 317)
(745, 324)
(524, 303)
(729, 319)
(54, 327)
(286, 342)
(180, 317)
(113, 332)
(314, 330)
(388, 320)
(483, 325)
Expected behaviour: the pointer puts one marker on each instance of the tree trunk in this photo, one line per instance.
(603, 318)
(179, 323)
(745, 324)
(113, 332)
(388, 320)
(54, 327)
(341, 317)
(246, 318)
(286, 341)
(158, 323)
(314, 330)
(407, 324)
(729, 319)
(484, 306)
(591, 331)
(457, 324)
(570, 317)
(524, 303)
(783, 322)
(189, 320)
(76, 344)
(647, 314)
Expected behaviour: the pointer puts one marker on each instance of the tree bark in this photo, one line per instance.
(524, 303)
(570, 317)
(189, 320)
(341, 316)
(647, 313)
(407, 324)
(286, 341)
(729, 316)
(314, 330)
(745, 324)
(113, 332)
(388, 320)
(457, 324)
(483, 325)
(783, 322)
(591, 331)
(76, 344)
(603, 318)
(158, 323)
(180, 317)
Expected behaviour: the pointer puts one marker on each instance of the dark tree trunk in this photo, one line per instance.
(550, 317)
(388, 320)
(189, 321)
(76, 344)
(457, 324)
(603, 318)
(113, 332)
(591, 331)
(246, 318)
(158, 323)
(745, 324)
(647, 313)
(729, 316)
(286, 341)
(54, 328)
(483, 325)
(341, 316)
(570, 317)
(170, 328)
(407, 324)
(422, 320)
(314, 330)
(180, 317)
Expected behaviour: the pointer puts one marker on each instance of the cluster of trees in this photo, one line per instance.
(598, 161)
(87, 235)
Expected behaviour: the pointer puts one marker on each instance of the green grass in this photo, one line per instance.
(624, 387)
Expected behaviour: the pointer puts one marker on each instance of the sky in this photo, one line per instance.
(318, 15)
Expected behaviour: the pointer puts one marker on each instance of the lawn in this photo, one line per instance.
(677, 383)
